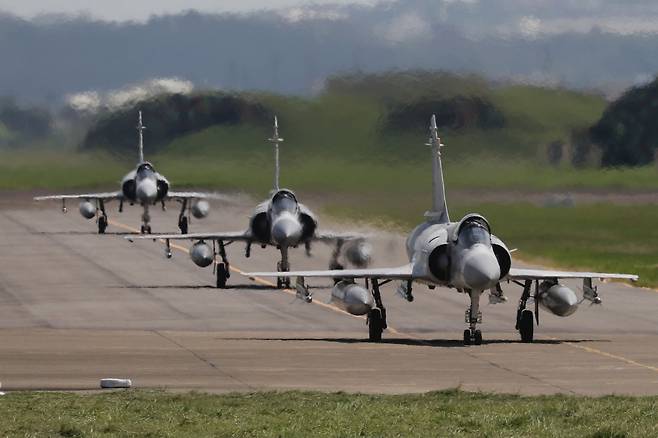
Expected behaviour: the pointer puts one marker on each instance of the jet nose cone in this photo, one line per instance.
(147, 190)
(286, 231)
(481, 269)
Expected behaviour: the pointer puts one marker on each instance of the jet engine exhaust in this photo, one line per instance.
(557, 299)
(87, 209)
(201, 254)
(352, 298)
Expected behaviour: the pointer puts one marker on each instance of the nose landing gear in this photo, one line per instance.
(146, 218)
(473, 317)
(283, 266)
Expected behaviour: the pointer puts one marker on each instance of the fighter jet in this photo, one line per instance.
(462, 255)
(143, 186)
(281, 221)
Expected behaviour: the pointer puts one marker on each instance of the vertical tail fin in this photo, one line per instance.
(439, 212)
(140, 129)
(276, 140)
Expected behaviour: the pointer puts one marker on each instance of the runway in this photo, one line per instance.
(76, 307)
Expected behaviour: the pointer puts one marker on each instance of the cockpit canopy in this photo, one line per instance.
(284, 200)
(474, 229)
(145, 167)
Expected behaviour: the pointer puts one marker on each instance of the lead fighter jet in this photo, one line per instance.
(463, 255)
(143, 186)
(281, 221)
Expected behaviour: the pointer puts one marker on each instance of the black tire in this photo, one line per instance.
(148, 229)
(183, 225)
(477, 337)
(102, 225)
(467, 337)
(142, 229)
(221, 276)
(286, 282)
(526, 326)
(375, 325)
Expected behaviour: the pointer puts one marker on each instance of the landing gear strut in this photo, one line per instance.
(524, 318)
(183, 222)
(377, 316)
(102, 219)
(283, 266)
(223, 268)
(333, 262)
(473, 317)
(146, 218)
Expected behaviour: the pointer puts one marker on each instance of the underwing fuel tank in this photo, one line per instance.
(351, 298)
(201, 254)
(200, 209)
(87, 209)
(557, 299)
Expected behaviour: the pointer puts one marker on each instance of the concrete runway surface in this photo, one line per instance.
(76, 307)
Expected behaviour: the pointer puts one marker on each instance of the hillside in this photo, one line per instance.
(359, 117)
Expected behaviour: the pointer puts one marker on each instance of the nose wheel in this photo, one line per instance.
(283, 266)
(146, 219)
(472, 337)
(473, 317)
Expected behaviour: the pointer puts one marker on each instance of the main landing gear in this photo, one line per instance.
(223, 268)
(524, 318)
(102, 219)
(377, 316)
(473, 317)
(183, 221)
(283, 266)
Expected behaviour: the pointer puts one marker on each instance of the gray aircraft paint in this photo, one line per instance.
(143, 186)
(462, 255)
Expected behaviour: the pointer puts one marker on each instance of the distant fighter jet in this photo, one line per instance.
(463, 255)
(281, 221)
(143, 186)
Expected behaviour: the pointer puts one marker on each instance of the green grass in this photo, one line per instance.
(608, 238)
(39, 168)
(303, 414)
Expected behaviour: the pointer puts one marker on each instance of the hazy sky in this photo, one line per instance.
(142, 9)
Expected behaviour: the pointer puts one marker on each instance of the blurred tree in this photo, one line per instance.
(170, 116)
(627, 132)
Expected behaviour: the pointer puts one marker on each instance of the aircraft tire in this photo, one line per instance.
(477, 337)
(102, 225)
(467, 337)
(375, 325)
(221, 276)
(526, 326)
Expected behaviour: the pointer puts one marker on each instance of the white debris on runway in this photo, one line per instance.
(116, 383)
